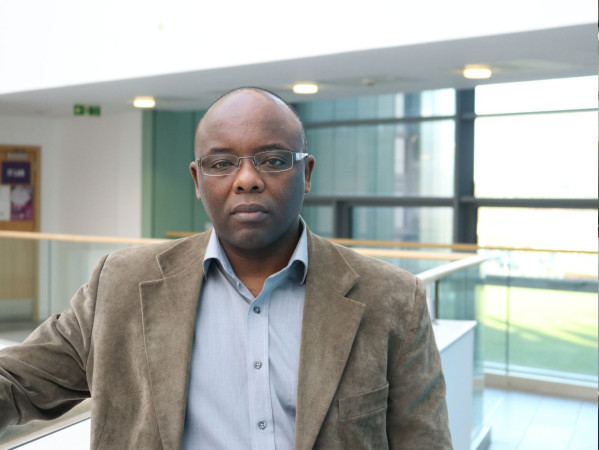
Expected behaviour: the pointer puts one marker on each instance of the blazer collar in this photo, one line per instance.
(182, 255)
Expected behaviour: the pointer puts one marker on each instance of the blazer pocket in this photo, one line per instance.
(364, 403)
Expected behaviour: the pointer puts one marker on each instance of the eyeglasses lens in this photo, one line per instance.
(270, 161)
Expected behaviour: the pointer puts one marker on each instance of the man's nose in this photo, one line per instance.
(247, 177)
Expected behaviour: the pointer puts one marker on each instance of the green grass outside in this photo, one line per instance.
(552, 330)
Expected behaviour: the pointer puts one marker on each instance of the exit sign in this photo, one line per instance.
(87, 110)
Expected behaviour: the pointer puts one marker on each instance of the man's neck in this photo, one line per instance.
(253, 267)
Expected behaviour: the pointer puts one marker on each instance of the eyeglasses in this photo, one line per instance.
(268, 161)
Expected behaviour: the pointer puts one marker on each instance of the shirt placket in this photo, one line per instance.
(261, 414)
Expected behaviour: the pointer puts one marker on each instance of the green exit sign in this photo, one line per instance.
(87, 110)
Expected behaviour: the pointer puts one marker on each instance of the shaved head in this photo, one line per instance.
(254, 90)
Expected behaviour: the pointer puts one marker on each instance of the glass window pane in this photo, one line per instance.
(405, 159)
(440, 102)
(417, 224)
(536, 156)
(319, 219)
(559, 229)
(433, 103)
(543, 95)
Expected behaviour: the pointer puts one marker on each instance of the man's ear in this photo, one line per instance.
(308, 168)
(193, 168)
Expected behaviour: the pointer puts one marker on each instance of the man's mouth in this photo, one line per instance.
(249, 212)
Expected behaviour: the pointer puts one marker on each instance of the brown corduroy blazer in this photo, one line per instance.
(369, 374)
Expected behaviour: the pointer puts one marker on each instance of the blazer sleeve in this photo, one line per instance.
(47, 374)
(417, 411)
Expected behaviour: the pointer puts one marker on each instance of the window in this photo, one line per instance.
(536, 156)
(398, 159)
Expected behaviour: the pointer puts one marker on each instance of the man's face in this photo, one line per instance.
(252, 210)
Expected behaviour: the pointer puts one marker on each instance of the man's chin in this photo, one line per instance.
(249, 240)
(256, 238)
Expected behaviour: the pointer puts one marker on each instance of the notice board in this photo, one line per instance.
(19, 211)
(19, 188)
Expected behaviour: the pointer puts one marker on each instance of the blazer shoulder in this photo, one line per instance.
(143, 261)
(367, 267)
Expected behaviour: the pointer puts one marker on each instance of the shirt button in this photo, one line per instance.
(257, 365)
(257, 309)
(262, 424)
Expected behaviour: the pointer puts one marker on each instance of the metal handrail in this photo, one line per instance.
(436, 273)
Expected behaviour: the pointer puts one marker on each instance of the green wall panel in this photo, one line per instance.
(200, 219)
(168, 195)
(147, 174)
(173, 186)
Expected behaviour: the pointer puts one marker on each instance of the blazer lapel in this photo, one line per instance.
(330, 323)
(169, 310)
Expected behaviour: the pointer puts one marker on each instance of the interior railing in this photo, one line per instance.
(529, 303)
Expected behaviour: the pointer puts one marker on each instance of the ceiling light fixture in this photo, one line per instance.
(305, 88)
(477, 72)
(144, 102)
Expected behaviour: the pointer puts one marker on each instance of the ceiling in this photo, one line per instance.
(553, 53)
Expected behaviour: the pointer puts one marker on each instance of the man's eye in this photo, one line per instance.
(221, 164)
(273, 161)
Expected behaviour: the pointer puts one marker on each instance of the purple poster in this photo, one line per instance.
(16, 172)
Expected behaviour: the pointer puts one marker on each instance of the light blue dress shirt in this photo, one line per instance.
(245, 357)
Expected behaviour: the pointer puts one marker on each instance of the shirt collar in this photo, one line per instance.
(215, 252)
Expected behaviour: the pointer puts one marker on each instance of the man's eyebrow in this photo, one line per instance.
(273, 146)
(214, 150)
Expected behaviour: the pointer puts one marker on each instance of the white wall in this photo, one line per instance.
(91, 171)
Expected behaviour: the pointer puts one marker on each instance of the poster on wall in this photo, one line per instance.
(21, 203)
(16, 172)
(4, 202)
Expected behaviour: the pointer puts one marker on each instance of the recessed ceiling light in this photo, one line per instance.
(305, 88)
(477, 72)
(144, 102)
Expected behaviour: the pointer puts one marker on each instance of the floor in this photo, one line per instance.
(525, 421)
(518, 420)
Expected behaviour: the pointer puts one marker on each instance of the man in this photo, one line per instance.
(257, 334)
